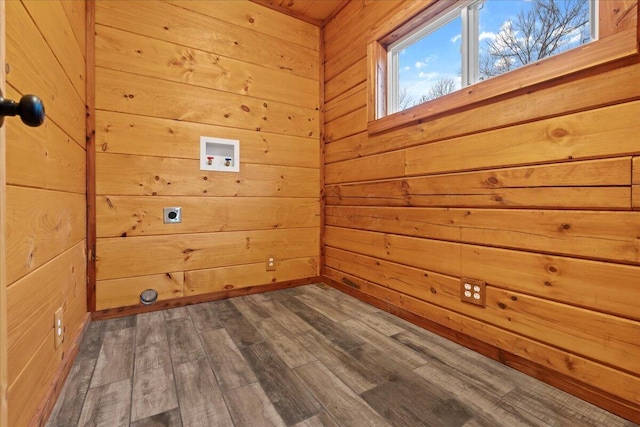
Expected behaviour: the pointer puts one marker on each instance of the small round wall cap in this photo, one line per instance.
(148, 296)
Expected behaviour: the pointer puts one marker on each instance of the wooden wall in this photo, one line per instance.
(167, 73)
(537, 195)
(45, 196)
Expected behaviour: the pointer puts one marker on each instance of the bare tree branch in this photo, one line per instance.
(542, 31)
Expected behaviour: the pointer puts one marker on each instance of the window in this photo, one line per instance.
(471, 41)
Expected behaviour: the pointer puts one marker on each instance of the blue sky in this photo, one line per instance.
(425, 62)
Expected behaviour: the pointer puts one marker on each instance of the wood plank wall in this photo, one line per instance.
(167, 73)
(45, 196)
(536, 195)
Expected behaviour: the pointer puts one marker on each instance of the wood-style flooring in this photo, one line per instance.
(308, 356)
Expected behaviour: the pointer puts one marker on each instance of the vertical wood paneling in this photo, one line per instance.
(555, 237)
(168, 73)
(45, 221)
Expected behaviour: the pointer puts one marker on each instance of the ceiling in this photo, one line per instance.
(314, 11)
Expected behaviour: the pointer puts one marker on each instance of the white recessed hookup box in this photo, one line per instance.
(219, 154)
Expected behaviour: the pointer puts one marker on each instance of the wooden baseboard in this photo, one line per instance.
(196, 299)
(587, 392)
(43, 412)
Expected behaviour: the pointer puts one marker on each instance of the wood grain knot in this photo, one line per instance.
(559, 133)
(245, 108)
(502, 305)
(492, 180)
(227, 287)
(552, 269)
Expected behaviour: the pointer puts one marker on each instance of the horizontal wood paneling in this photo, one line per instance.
(242, 276)
(121, 133)
(46, 148)
(346, 80)
(123, 51)
(124, 292)
(260, 20)
(57, 30)
(570, 280)
(29, 55)
(163, 21)
(532, 193)
(76, 15)
(599, 235)
(597, 184)
(347, 125)
(345, 148)
(168, 73)
(434, 255)
(164, 176)
(612, 339)
(32, 300)
(136, 216)
(131, 256)
(133, 94)
(40, 225)
(46, 204)
(351, 100)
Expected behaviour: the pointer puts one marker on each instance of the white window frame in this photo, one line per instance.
(467, 10)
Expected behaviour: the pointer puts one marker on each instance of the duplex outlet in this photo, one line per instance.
(271, 263)
(58, 328)
(473, 291)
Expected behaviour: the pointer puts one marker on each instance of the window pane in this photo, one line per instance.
(430, 67)
(516, 33)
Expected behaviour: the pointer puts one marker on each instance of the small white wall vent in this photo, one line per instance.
(218, 154)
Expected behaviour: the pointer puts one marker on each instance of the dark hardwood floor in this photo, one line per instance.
(308, 356)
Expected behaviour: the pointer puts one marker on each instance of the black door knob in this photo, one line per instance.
(30, 109)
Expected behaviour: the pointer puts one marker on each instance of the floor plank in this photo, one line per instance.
(150, 328)
(201, 402)
(107, 405)
(184, 341)
(250, 407)
(154, 389)
(344, 406)
(291, 398)
(326, 327)
(69, 405)
(395, 350)
(241, 331)
(165, 419)
(227, 362)
(351, 371)
(291, 351)
(115, 360)
(204, 317)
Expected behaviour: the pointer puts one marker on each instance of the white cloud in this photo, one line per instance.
(407, 68)
(425, 62)
(428, 76)
(487, 35)
(456, 38)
